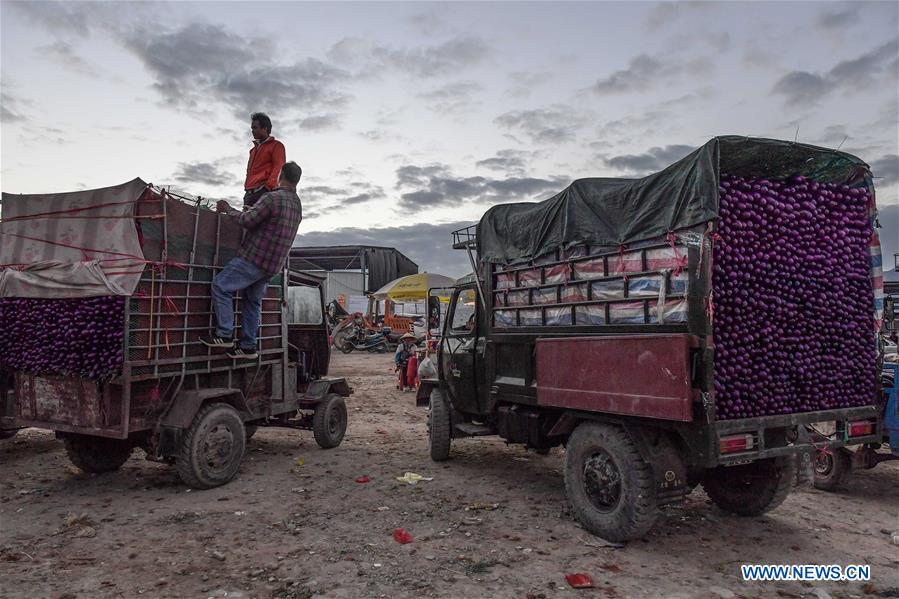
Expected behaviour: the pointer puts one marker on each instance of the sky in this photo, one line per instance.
(411, 119)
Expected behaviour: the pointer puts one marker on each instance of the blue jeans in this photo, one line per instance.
(239, 275)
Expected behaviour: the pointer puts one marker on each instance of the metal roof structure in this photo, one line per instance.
(379, 265)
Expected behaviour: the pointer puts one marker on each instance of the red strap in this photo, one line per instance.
(74, 247)
(73, 210)
(681, 260)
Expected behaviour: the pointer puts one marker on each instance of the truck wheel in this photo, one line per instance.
(212, 448)
(610, 487)
(750, 489)
(832, 469)
(329, 421)
(97, 454)
(439, 426)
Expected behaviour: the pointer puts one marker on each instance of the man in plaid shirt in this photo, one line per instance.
(271, 226)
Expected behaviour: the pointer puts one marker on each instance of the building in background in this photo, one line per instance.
(352, 271)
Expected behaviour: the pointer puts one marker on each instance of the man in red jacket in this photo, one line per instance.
(267, 157)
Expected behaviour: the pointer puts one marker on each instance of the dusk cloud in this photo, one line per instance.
(197, 62)
(437, 186)
(440, 59)
(553, 125)
(506, 161)
(666, 13)
(839, 18)
(10, 111)
(332, 197)
(653, 160)
(64, 54)
(321, 122)
(523, 83)
(444, 58)
(879, 64)
(206, 173)
(886, 170)
(645, 72)
(452, 98)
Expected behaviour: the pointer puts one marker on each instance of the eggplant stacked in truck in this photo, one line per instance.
(104, 295)
(630, 321)
(794, 255)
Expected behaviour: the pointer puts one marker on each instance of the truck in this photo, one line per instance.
(179, 401)
(589, 323)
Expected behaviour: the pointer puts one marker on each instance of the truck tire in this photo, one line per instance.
(439, 426)
(329, 421)
(212, 448)
(751, 489)
(97, 454)
(832, 469)
(610, 486)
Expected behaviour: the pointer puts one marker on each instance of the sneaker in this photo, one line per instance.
(216, 342)
(240, 353)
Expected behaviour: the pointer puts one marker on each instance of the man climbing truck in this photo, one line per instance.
(101, 344)
(661, 331)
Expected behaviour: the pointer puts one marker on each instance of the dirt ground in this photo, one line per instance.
(493, 522)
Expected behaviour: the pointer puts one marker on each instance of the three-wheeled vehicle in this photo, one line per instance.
(173, 397)
(834, 467)
(585, 328)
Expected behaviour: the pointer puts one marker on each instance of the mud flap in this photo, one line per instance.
(670, 475)
(805, 459)
(423, 393)
(321, 388)
(169, 441)
(669, 470)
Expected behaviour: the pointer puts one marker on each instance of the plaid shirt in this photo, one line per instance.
(271, 225)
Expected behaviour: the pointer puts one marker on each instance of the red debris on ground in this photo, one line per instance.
(579, 580)
(401, 536)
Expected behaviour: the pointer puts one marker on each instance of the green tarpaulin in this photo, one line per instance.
(615, 212)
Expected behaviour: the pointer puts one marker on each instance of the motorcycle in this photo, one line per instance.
(335, 314)
(354, 336)
(834, 467)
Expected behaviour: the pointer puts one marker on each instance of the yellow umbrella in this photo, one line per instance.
(414, 287)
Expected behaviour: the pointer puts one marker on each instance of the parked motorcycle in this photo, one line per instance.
(352, 335)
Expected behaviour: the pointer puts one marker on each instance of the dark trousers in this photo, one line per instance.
(252, 196)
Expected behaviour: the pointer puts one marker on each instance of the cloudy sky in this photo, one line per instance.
(410, 119)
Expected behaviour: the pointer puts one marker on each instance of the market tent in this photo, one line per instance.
(413, 287)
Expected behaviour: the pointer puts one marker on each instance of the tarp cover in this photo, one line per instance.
(616, 212)
(48, 249)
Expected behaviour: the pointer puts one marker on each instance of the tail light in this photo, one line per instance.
(735, 443)
(860, 428)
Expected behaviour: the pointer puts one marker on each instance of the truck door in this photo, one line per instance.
(458, 351)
